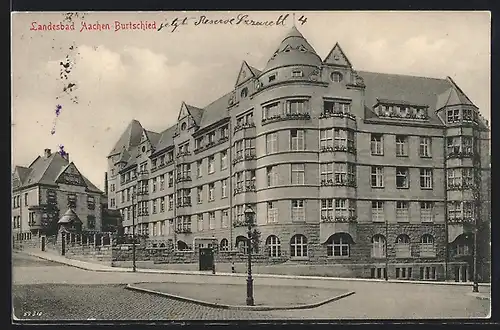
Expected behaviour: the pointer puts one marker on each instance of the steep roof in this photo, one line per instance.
(153, 137)
(69, 217)
(131, 137)
(215, 111)
(22, 172)
(293, 50)
(166, 139)
(453, 96)
(45, 170)
(337, 57)
(196, 113)
(410, 89)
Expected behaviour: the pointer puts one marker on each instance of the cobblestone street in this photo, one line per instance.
(67, 293)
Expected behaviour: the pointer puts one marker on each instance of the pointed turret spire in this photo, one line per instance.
(453, 96)
(293, 50)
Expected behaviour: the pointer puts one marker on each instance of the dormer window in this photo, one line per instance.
(336, 77)
(211, 137)
(467, 114)
(183, 126)
(302, 48)
(453, 116)
(244, 92)
(272, 77)
(297, 73)
(143, 149)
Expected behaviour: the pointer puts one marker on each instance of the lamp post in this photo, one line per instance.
(249, 213)
(134, 209)
(214, 241)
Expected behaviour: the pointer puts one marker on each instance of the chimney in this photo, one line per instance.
(106, 183)
(47, 153)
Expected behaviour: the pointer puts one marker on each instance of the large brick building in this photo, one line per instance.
(369, 172)
(45, 190)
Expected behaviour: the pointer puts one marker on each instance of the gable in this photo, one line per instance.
(184, 112)
(144, 137)
(71, 176)
(337, 57)
(245, 74)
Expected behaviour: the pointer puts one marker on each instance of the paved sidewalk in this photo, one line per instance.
(103, 268)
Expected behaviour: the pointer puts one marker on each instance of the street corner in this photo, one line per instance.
(233, 296)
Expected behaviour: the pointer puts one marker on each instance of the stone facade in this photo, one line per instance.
(327, 158)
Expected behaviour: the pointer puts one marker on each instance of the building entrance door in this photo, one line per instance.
(206, 258)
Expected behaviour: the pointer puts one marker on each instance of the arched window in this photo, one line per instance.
(298, 246)
(224, 245)
(336, 77)
(338, 245)
(244, 92)
(378, 246)
(182, 246)
(183, 126)
(241, 244)
(403, 246)
(274, 245)
(427, 248)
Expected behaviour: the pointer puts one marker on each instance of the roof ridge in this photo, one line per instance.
(401, 74)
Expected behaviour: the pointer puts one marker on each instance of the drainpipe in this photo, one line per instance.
(445, 184)
(175, 198)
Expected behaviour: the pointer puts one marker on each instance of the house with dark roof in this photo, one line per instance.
(383, 175)
(46, 189)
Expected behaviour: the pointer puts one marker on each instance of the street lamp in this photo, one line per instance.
(214, 242)
(134, 209)
(249, 213)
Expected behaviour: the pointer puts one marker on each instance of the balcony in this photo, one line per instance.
(345, 183)
(142, 175)
(339, 219)
(337, 114)
(239, 223)
(350, 149)
(183, 231)
(183, 178)
(287, 116)
(243, 126)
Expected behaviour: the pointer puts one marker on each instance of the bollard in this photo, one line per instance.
(213, 267)
(232, 267)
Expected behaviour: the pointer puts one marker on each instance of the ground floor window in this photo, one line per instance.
(403, 272)
(274, 246)
(428, 273)
(224, 245)
(338, 245)
(298, 246)
(182, 246)
(378, 272)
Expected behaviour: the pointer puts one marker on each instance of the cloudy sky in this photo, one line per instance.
(147, 74)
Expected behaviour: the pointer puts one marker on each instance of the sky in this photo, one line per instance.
(146, 75)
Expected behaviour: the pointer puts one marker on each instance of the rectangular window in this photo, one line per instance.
(223, 160)
(425, 146)
(272, 176)
(91, 202)
(326, 173)
(200, 222)
(341, 137)
(270, 111)
(239, 181)
(211, 164)
(295, 106)
(211, 190)
(272, 212)
(454, 178)
(467, 144)
(377, 146)
(211, 220)
(426, 214)
(341, 173)
(250, 180)
(250, 148)
(272, 143)
(298, 213)
(211, 138)
(402, 211)
(298, 173)
(326, 139)
(90, 221)
(377, 176)
(468, 177)
(223, 188)
(297, 140)
(72, 200)
(153, 164)
(341, 208)
(198, 143)
(402, 177)
(453, 116)
(162, 182)
(428, 272)
(401, 145)
(403, 273)
(453, 145)
(327, 210)
(224, 132)
(199, 194)
(162, 204)
(199, 168)
(170, 179)
(155, 205)
(426, 178)
(153, 184)
(297, 73)
(224, 219)
(170, 202)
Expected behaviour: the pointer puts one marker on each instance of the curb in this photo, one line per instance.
(238, 307)
(293, 277)
(480, 297)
